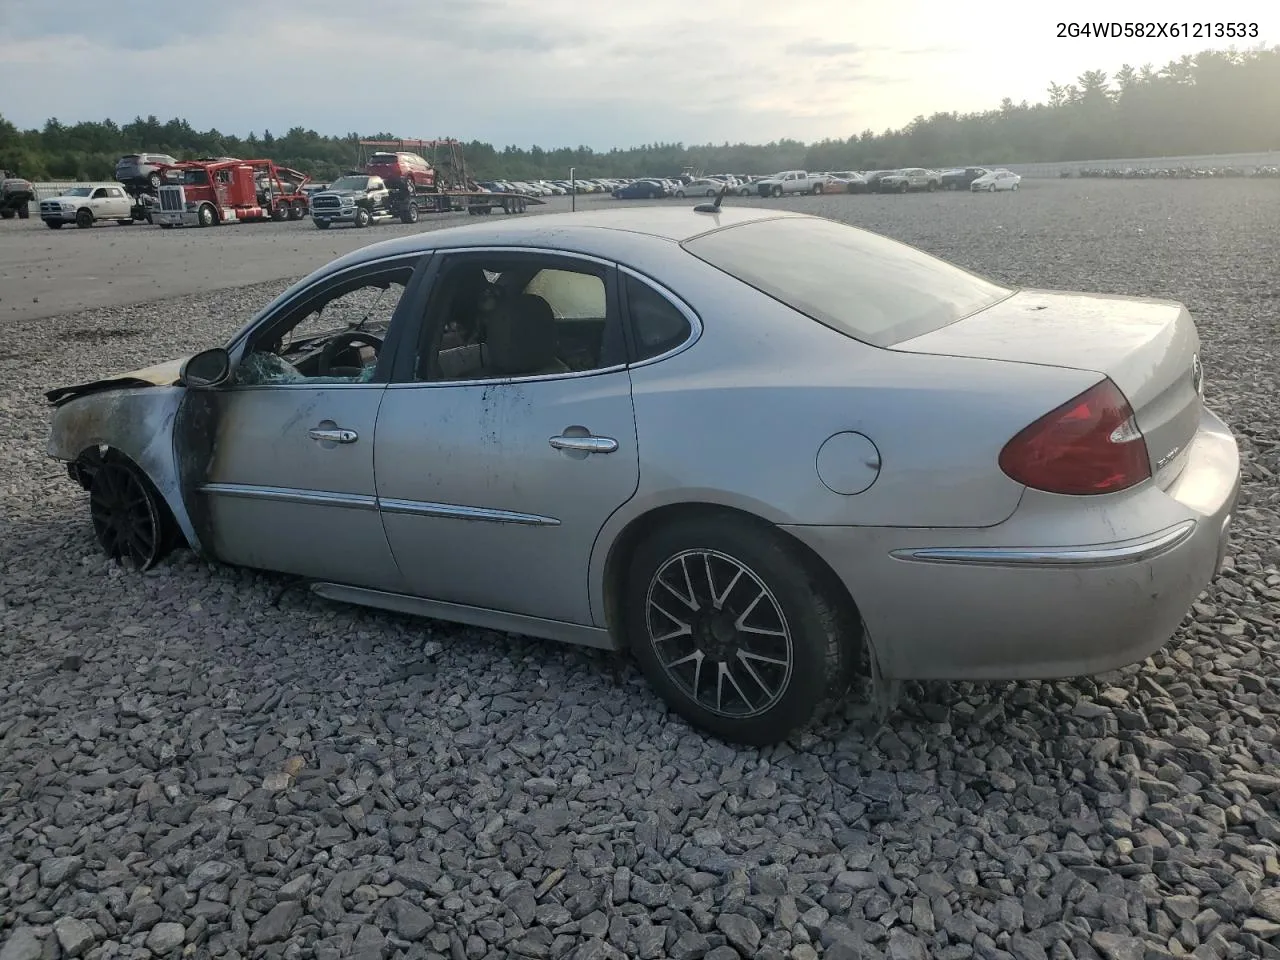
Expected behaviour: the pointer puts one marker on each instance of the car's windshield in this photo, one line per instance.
(864, 285)
(349, 183)
(78, 192)
(195, 178)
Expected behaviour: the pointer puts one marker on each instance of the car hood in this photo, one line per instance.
(158, 375)
(340, 193)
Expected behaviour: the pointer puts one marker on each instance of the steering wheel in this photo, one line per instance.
(344, 341)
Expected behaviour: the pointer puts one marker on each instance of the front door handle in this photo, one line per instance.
(335, 435)
(585, 444)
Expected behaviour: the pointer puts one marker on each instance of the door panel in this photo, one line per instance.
(275, 498)
(481, 509)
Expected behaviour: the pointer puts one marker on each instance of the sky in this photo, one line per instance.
(567, 72)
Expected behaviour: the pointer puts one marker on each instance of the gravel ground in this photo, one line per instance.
(188, 769)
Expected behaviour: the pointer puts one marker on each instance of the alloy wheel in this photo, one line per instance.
(125, 516)
(719, 633)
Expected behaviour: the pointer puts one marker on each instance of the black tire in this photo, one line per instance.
(680, 194)
(279, 212)
(154, 180)
(818, 188)
(84, 219)
(7, 214)
(363, 217)
(130, 520)
(811, 658)
(410, 214)
(932, 186)
(207, 217)
(24, 212)
(777, 191)
(902, 187)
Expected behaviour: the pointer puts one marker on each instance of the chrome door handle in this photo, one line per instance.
(585, 444)
(337, 435)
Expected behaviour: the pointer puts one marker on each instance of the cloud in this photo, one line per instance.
(550, 72)
(823, 48)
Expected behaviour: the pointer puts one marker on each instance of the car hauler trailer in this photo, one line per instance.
(403, 179)
(207, 193)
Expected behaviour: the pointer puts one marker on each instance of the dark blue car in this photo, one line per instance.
(640, 190)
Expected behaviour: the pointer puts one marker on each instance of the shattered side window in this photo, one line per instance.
(367, 307)
(262, 368)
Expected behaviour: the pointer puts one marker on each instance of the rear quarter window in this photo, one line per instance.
(863, 285)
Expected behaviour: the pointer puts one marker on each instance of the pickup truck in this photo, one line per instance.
(791, 181)
(85, 205)
(356, 198)
(16, 196)
(909, 178)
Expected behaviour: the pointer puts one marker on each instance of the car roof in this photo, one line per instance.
(604, 232)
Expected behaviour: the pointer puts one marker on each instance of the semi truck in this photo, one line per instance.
(208, 193)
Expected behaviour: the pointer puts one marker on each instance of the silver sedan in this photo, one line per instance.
(765, 453)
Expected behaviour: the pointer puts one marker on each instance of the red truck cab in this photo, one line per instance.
(229, 191)
(402, 169)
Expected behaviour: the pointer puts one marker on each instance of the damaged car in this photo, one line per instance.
(765, 453)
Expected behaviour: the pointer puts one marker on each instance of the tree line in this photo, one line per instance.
(1212, 102)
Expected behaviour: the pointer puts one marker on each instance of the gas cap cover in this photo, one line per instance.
(848, 463)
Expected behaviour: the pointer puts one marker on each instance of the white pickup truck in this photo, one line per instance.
(84, 205)
(791, 181)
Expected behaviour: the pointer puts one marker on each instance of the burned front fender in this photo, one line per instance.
(138, 423)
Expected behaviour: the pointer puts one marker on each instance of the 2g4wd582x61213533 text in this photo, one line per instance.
(1203, 30)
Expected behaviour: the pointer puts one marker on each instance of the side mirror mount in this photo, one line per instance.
(208, 368)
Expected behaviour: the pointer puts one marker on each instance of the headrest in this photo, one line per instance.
(521, 336)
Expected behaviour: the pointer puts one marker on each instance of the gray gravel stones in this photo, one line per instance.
(189, 769)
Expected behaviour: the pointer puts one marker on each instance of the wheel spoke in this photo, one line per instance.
(728, 675)
(760, 658)
(751, 672)
(689, 599)
(742, 617)
(719, 599)
(683, 630)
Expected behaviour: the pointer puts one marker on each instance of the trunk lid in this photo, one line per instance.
(1149, 348)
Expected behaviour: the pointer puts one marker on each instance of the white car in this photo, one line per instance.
(996, 180)
(85, 205)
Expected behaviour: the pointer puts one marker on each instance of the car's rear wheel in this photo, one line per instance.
(734, 629)
(130, 520)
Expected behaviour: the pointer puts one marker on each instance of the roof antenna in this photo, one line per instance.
(715, 206)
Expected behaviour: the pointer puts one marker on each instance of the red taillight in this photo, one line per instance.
(1090, 444)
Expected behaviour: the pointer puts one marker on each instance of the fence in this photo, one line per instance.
(1241, 161)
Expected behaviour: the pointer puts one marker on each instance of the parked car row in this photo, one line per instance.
(792, 182)
(1175, 173)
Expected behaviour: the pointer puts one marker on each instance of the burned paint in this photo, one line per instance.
(140, 425)
(159, 375)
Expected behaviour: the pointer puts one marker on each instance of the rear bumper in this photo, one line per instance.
(1065, 587)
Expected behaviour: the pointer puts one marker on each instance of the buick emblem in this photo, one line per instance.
(1197, 374)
